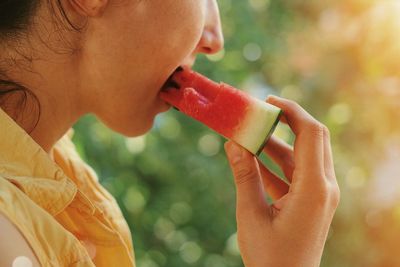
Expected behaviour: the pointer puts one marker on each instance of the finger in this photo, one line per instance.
(282, 154)
(308, 146)
(274, 186)
(250, 196)
(328, 159)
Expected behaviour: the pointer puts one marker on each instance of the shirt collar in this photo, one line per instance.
(24, 163)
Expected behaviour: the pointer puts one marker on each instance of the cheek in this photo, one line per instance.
(150, 33)
(135, 52)
(176, 28)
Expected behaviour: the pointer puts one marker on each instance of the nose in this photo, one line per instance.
(212, 39)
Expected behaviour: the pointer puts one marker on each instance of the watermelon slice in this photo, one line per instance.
(225, 109)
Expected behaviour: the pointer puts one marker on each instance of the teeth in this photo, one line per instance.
(170, 83)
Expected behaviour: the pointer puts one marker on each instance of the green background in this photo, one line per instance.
(341, 61)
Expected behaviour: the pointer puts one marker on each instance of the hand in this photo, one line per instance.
(291, 232)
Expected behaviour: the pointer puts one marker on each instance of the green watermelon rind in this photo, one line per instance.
(269, 133)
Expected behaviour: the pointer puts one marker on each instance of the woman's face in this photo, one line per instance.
(132, 48)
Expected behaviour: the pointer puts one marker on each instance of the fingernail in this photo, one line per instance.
(234, 151)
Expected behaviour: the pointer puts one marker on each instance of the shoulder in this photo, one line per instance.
(13, 246)
(28, 230)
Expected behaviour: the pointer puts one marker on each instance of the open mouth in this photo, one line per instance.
(171, 83)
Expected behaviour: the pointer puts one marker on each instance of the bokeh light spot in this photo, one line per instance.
(259, 5)
(232, 246)
(175, 240)
(209, 144)
(134, 200)
(356, 177)
(136, 145)
(147, 262)
(252, 52)
(163, 227)
(22, 261)
(214, 260)
(340, 113)
(190, 252)
(180, 212)
(170, 128)
(157, 256)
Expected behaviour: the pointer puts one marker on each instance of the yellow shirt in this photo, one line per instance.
(65, 215)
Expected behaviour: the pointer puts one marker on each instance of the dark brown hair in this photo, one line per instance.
(16, 17)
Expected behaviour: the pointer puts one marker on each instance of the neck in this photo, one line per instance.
(52, 75)
(54, 84)
(54, 121)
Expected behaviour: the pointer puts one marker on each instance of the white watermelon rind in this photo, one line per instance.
(257, 126)
(270, 132)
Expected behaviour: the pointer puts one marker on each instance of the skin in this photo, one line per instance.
(118, 64)
(13, 244)
(115, 67)
(291, 232)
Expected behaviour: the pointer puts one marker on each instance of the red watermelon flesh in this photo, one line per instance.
(225, 109)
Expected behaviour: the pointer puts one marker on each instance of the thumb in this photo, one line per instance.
(250, 195)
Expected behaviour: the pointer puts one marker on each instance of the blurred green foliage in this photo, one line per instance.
(341, 61)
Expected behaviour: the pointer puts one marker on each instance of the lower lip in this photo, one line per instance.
(164, 105)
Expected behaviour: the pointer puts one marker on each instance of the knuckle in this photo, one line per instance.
(317, 129)
(335, 196)
(326, 131)
(245, 175)
(329, 194)
(322, 192)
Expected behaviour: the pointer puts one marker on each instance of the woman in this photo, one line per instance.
(61, 59)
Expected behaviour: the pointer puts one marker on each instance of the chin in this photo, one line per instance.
(132, 124)
(130, 128)
(135, 130)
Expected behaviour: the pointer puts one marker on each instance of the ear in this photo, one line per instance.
(89, 8)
